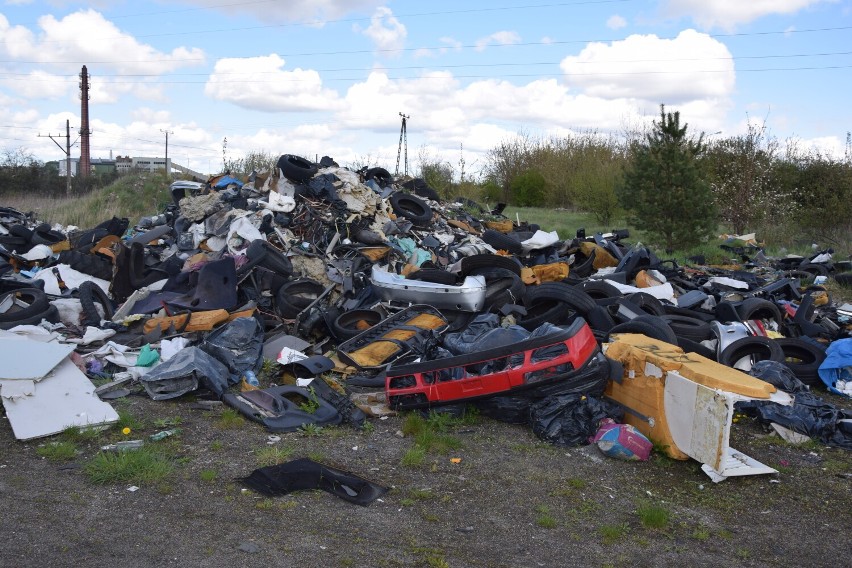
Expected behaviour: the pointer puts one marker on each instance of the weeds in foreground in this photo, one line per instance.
(610, 534)
(144, 465)
(208, 475)
(272, 455)
(58, 451)
(653, 516)
(545, 520)
(76, 435)
(414, 457)
(230, 420)
(127, 420)
(170, 422)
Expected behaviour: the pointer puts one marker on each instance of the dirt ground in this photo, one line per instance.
(510, 501)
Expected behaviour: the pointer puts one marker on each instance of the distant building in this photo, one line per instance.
(123, 165)
(102, 167)
(152, 164)
(75, 162)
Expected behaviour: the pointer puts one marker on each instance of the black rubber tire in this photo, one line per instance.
(296, 295)
(89, 294)
(411, 207)
(502, 287)
(50, 314)
(647, 303)
(502, 242)
(844, 279)
(651, 326)
(473, 262)
(814, 269)
(344, 325)
(296, 168)
(36, 300)
(758, 308)
(678, 311)
(690, 346)
(553, 302)
(585, 268)
(807, 359)
(757, 346)
(600, 289)
(435, 275)
(689, 327)
(380, 175)
(422, 189)
(90, 264)
(600, 320)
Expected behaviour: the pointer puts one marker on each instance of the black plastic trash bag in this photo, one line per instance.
(238, 345)
(571, 419)
(484, 333)
(778, 375)
(811, 416)
(183, 373)
(305, 473)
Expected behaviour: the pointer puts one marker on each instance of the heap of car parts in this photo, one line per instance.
(440, 303)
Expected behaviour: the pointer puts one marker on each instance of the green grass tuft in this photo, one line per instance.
(58, 451)
(653, 516)
(272, 455)
(144, 465)
(231, 420)
(414, 457)
(208, 475)
(610, 534)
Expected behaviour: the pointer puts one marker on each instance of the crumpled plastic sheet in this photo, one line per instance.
(571, 419)
(809, 414)
(238, 345)
(836, 370)
(483, 332)
(184, 373)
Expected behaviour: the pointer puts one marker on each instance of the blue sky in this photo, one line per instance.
(330, 77)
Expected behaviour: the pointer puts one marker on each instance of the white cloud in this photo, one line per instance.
(616, 22)
(385, 31)
(260, 83)
(88, 36)
(503, 37)
(41, 85)
(728, 14)
(693, 66)
(312, 12)
(449, 44)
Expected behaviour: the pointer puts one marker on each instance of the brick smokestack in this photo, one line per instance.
(85, 156)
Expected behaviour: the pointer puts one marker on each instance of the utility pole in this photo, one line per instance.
(67, 151)
(168, 169)
(403, 136)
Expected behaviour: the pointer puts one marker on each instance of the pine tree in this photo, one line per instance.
(664, 191)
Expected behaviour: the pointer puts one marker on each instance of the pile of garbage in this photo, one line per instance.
(412, 301)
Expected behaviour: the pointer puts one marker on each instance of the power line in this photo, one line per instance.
(462, 66)
(505, 75)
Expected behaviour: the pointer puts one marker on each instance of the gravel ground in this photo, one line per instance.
(511, 501)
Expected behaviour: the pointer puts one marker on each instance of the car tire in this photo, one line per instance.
(296, 295)
(345, 326)
(89, 294)
(803, 358)
(758, 308)
(689, 327)
(296, 168)
(473, 262)
(35, 299)
(412, 208)
(652, 326)
(756, 346)
(502, 242)
(553, 302)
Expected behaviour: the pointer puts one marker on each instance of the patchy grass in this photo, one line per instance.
(145, 465)
(701, 533)
(230, 420)
(272, 455)
(545, 519)
(127, 420)
(208, 475)
(170, 422)
(422, 494)
(413, 457)
(58, 451)
(653, 516)
(76, 435)
(310, 430)
(610, 534)
(216, 445)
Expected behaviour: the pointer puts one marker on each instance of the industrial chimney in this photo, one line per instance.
(85, 157)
